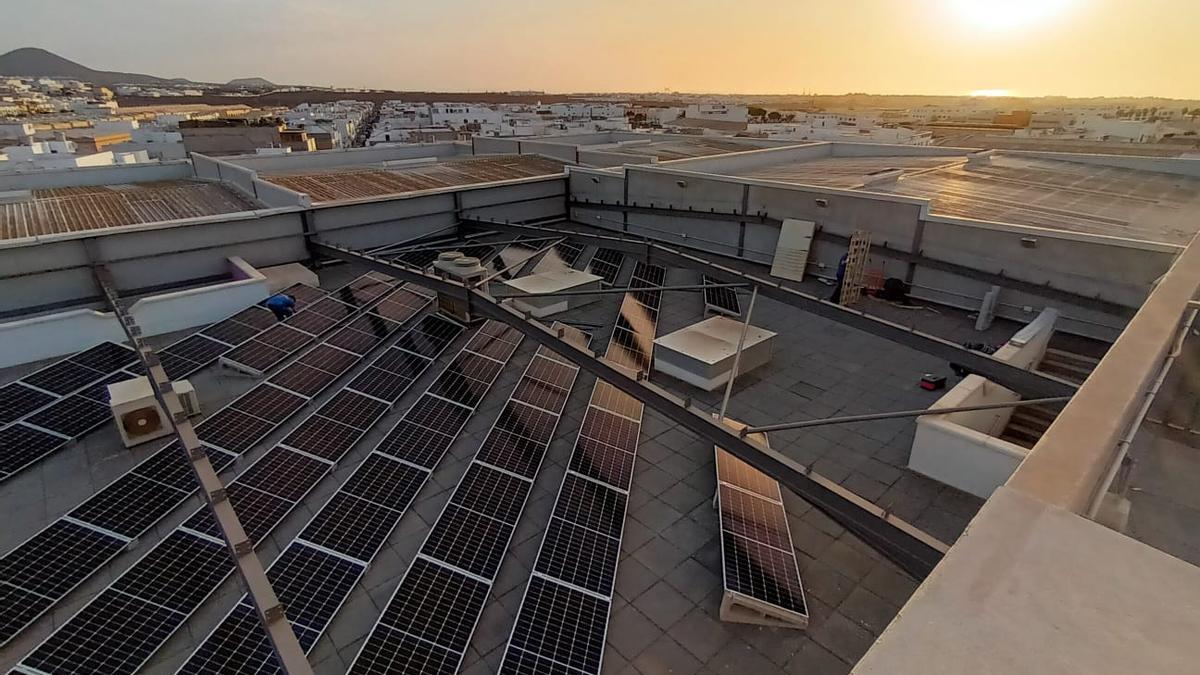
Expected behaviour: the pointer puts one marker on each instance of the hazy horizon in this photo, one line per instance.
(1029, 48)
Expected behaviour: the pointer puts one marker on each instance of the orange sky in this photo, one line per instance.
(1032, 47)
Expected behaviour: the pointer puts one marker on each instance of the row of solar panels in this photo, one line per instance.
(564, 615)
(46, 410)
(126, 623)
(318, 570)
(428, 622)
(47, 566)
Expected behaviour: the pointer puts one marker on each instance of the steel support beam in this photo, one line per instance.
(1025, 382)
(912, 550)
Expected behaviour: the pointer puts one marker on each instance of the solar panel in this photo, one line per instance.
(721, 300)
(257, 511)
(351, 526)
(284, 473)
(376, 325)
(172, 468)
(99, 392)
(21, 608)
(240, 645)
(329, 359)
(560, 257)
(438, 414)
(256, 356)
(257, 317)
(62, 378)
(178, 573)
(233, 430)
(579, 556)
(306, 295)
(72, 416)
(21, 445)
(57, 559)
(393, 310)
(231, 332)
(18, 400)
(269, 403)
(333, 308)
(401, 362)
(471, 535)
(386, 482)
(198, 348)
(354, 341)
(353, 409)
(304, 380)
(559, 625)
(313, 323)
(380, 384)
(284, 338)
(311, 584)
(323, 437)
(761, 576)
(492, 347)
(132, 629)
(105, 357)
(606, 263)
(129, 506)
(416, 444)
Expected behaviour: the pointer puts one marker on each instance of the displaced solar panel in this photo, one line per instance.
(760, 572)
(562, 256)
(559, 625)
(721, 300)
(606, 264)
(317, 570)
(134, 502)
(437, 602)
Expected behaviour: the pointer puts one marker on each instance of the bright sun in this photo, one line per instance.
(1007, 14)
(992, 92)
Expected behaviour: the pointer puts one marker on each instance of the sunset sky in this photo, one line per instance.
(1028, 47)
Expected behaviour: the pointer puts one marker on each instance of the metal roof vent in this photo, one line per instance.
(882, 177)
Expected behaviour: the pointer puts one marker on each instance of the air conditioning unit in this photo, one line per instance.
(138, 415)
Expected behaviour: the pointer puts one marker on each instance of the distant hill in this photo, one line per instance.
(41, 63)
(251, 83)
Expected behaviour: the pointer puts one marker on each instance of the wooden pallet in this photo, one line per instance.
(854, 281)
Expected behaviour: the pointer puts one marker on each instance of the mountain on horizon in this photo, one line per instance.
(251, 83)
(34, 61)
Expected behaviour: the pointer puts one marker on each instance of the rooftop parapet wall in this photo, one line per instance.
(95, 175)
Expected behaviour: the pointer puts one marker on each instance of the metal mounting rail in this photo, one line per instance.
(909, 548)
(268, 608)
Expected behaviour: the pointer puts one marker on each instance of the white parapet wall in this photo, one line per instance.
(963, 449)
(50, 335)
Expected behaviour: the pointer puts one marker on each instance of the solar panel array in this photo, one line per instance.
(428, 622)
(44, 411)
(560, 257)
(606, 264)
(318, 570)
(47, 566)
(762, 579)
(123, 626)
(563, 619)
(721, 300)
(423, 258)
(47, 409)
(281, 341)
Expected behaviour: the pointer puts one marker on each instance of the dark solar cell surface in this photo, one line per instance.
(311, 584)
(17, 400)
(380, 384)
(332, 308)
(492, 347)
(257, 317)
(385, 482)
(353, 409)
(591, 505)
(437, 414)
(197, 348)
(725, 299)
(754, 518)
(395, 311)
(171, 467)
(63, 377)
(402, 362)
(602, 462)
(21, 445)
(523, 420)
(256, 355)
(72, 416)
(512, 453)
(132, 630)
(492, 492)
(374, 325)
(179, 573)
(311, 322)
(105, 357)
(302, 379)
(354, 341)
(351, 526)
(232, 333)
(469, 541)
(394, 652)
(331, 360)
(284, 473)
(233, 430)
(285, 338)
(269, 403)
(417, 444)
(175, 366)
(258, 512)
(99, 392)
(579, 556)
(323, 437)
(607, 264)
(762, 572)
(21, 607)
(562, 624)
(437, 604)
(129, 505)
(56, 559)
(612, 429)
(240, 645)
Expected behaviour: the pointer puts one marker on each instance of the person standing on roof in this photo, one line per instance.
(840, 279)
(281, 305)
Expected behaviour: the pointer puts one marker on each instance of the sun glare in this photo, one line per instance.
(992, 92)
(1007, 14)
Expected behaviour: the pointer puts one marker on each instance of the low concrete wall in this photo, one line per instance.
(274, 195)
(47, 336)
(613, 158)
(1181, 166)
(95, 175)
(325, 159)
(960, 449)
(1026, 348)
(753, 159)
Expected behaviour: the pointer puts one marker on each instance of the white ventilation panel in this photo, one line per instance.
(702, 354)
(791, 253)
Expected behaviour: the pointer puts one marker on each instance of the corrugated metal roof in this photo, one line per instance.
(364, 182)
(687, 147)
(78, 209)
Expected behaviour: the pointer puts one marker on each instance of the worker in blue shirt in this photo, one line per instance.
(840, 279)
(281, 305)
